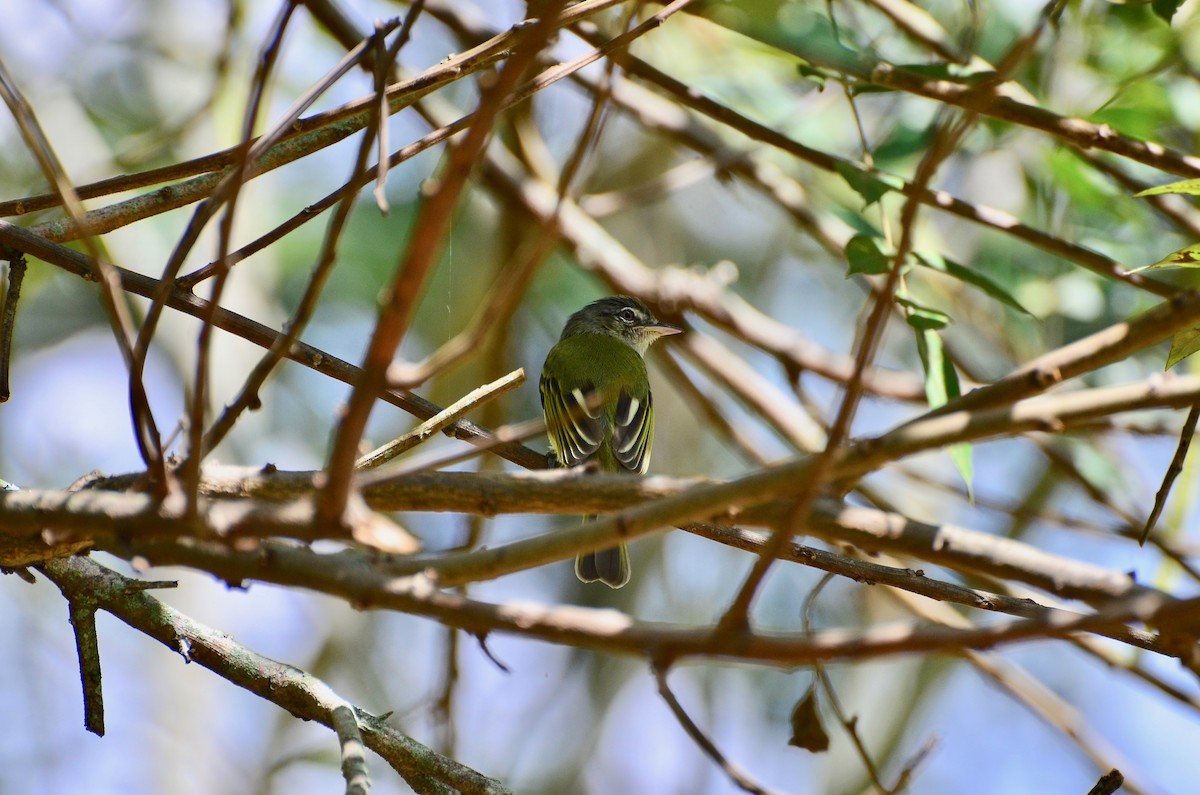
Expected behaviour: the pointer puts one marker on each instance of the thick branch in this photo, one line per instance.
(360, 582)
(292, 689)
(117, 520)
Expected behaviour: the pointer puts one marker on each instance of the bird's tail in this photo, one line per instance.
(609, 566)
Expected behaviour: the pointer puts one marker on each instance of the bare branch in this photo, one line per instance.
(359, 580)
(735, 773)
(447, 416)
(1173, 470)
(184, 301)
(412, 270)
(294, 690)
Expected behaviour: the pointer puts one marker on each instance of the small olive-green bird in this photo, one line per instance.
(596, 398)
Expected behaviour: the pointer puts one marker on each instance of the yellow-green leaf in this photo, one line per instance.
(941, 385)
(922, 317)
(970, 276)
(1191, 186)
(1183, 345)
(1186, 257)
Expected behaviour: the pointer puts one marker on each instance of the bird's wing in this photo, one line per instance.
(575, 428)
(633, 433)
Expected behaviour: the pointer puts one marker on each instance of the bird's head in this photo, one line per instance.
(625, 318)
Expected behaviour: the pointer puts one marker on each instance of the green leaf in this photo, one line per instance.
(933, 359)
(1189, 186)
(1166, 8)
(1140, 108)
(941, 379)
(1186, 257)
(963, 457)
(855, 221)
(813, 74)
(863, 87)
(871, 187)
(1183, 345)
(922, 318)
(972, 277)
(864, 256)
(941, 386)
(902, 141)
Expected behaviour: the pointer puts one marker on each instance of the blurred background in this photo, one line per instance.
(124, 86)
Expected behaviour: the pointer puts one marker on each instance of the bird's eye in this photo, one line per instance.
(627, 315)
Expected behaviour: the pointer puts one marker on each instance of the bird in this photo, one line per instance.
(595, 394)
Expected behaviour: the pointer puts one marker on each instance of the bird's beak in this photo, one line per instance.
(661, 329)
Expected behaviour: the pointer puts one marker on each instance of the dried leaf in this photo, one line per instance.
(382, 534)
(807, 731)
(377, 531)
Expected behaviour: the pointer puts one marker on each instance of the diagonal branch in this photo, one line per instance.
(288, 687)
(325, 363)
(735, 773)
(429, 229)
(146, 435)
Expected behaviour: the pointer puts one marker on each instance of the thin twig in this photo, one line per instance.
(501, 300)
(715, 417)
(417, 261)
(1104, 498)
(737, 615)
(189, 472)
(353, 751)
(987, 98)
(447, 416)
(87, 647)
(991, 217)
(305, 137)
(326, 259)
(321, 361)
(849, 724)
(359, 579)
(1023, 687)
(12, 295)
(739, 777)
(684, 289)
(226, 189)
(1173, 470)
(754, 389)
(146, 433)
(245, 506)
